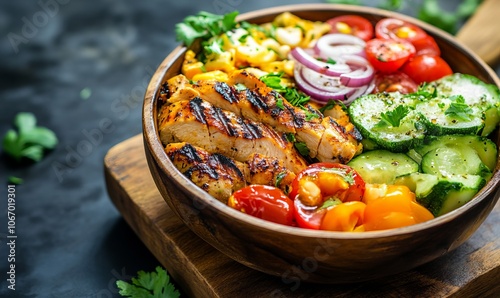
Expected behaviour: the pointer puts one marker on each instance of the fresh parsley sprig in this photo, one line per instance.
(458, 108)
(394, 117)
(149, 285)
(204, 25)
(29, 141)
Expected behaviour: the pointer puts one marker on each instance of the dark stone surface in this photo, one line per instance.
(71, 240)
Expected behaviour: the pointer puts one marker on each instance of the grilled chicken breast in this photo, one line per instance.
(221, 176)
(219, 131)
(216, 174)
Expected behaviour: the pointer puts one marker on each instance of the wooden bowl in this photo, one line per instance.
(297, 254)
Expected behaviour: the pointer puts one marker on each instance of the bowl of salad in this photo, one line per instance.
(324, 143)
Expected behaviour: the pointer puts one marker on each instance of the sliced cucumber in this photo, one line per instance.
(421, 184)
(456, 160)
(382, 166)
(484, 147)
(486, 97)
(442, 194)
(366, 115)
(439, 122)
(453, 192)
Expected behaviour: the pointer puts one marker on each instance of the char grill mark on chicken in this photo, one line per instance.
(220, 176)
(219, 131)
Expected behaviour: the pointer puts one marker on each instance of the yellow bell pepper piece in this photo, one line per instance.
(344, 217)
(191, 66)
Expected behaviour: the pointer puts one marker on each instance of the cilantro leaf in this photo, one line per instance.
(15, 180)
(394, 117)
(30, 141)
(331, 104)
(329, 203)
(302, 148)
(273, 80)
(214, 46)
(459, 108)
(204, 25)
(149, 284)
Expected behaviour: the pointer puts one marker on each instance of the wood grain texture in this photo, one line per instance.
(480, 33)
(472, 270)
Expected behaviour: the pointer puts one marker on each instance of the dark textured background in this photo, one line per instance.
(71, 240)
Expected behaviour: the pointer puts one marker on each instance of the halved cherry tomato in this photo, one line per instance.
(426, 68)
(388, 55)
(391, 28)
(266, 202)
(392, 206)
(307, 217)
(426, 46)
(344, 217)
(320, 182)
(352, 24)
(394, 82)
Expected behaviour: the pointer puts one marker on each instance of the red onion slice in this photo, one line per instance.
(338, 44)
(319, 95)
(359, 92)
(320, 81)
(309, 61)
(359, 77)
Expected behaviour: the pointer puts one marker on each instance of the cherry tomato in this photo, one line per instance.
(426, 46)
(426, 68)
(394, 82)
(387, 55)
(352, 24)
(263, 201)
(390, 28)
(307, 217)
(344, 217)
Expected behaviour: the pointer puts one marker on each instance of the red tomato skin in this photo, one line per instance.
(309, 216)
(426, 46)
(265, 202)
(394, 82)
(360, 26)
(383, 59)
(426, 68)
(387, 28)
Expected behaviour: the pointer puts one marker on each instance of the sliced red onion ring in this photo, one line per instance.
(319, 95)
(320, 81)
(309, 61)
(337, 44)
(359, 77)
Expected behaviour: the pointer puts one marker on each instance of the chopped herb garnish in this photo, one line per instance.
(214, 46)
(329, 203)
(279, 178)
(15, 180)
(204, 25)
(296, 98)
(149, 284)
(273, 80)
(459, 108)
(347, 176)
(423, 90)
(310, 115)
(394, 117)
(279, 103)
(30, 141)
(332, 103)
(302, 148)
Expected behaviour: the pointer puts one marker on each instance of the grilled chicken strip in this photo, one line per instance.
(260, 103)
(218, 131)
(221, 176)
(214, 173)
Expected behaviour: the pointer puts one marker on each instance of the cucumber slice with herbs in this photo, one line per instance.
(484, 147)
(456, 160)
(389, 120)
(449, 115)
(382, 166)
(476, 93)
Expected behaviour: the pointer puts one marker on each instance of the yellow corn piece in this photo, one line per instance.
(285, 66)
(318, 29)
(223, 61)
(191, 66)
(217, 75)
(291, 36)
(254, 54)
(286, 19)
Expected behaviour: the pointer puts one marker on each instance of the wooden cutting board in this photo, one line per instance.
(472, 270)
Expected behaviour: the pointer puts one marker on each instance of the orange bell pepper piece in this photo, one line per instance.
(392, 206)
(344, 217)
